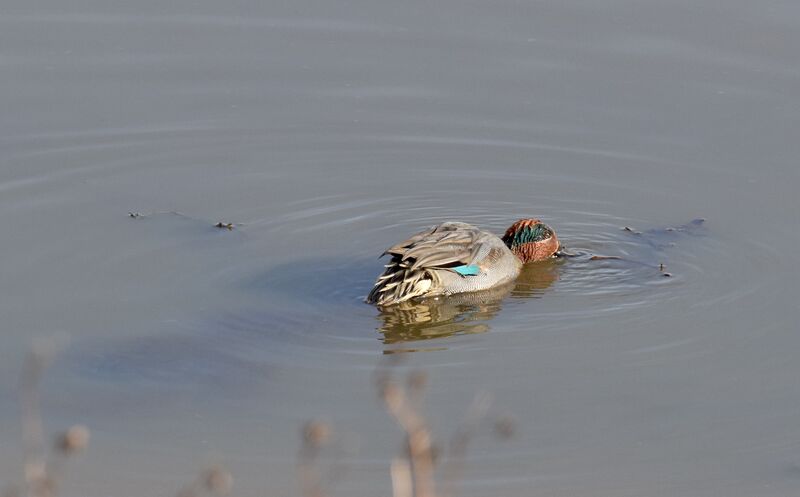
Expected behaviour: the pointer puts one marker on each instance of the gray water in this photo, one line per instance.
(327, 131)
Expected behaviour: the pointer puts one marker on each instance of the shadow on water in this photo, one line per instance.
(320, 311)
(659, 239)
(321, 281)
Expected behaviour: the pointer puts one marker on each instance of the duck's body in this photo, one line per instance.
(455, 257)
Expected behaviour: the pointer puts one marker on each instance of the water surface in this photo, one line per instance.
(327, 131)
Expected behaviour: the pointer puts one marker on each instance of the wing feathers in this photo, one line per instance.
(412, 272)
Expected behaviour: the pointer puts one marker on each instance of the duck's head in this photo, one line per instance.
(531, 240)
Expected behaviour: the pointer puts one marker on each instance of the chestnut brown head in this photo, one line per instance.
(531, 240)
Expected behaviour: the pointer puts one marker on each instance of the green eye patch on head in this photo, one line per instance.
(527, 234)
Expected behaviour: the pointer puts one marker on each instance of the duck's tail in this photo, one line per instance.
(400, 282)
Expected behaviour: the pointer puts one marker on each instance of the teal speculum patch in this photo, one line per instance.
(471, 270)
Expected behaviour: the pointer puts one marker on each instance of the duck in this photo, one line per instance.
(454, 257)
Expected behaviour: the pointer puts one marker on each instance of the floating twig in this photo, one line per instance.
(605, 258)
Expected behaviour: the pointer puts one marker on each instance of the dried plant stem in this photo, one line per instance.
(418, 438)
(316, 434)
(401, 478)
(215, 480)
(37, 480)
(43, 469)
(310, 480)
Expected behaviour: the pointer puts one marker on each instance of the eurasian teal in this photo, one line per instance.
(455, 257)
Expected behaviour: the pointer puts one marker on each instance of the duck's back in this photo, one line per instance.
(446, 259)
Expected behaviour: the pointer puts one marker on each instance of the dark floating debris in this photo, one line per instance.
(666, 275)
(605, 257)
(631, 230)
(223, 225)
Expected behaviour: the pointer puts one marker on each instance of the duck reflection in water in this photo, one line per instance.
(461, 314)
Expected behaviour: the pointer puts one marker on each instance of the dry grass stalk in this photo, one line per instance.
(316, 435)
(34, 469)
(405, 410)
(215, 480)
(43, 469)
(413, 474)
(402, 481)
